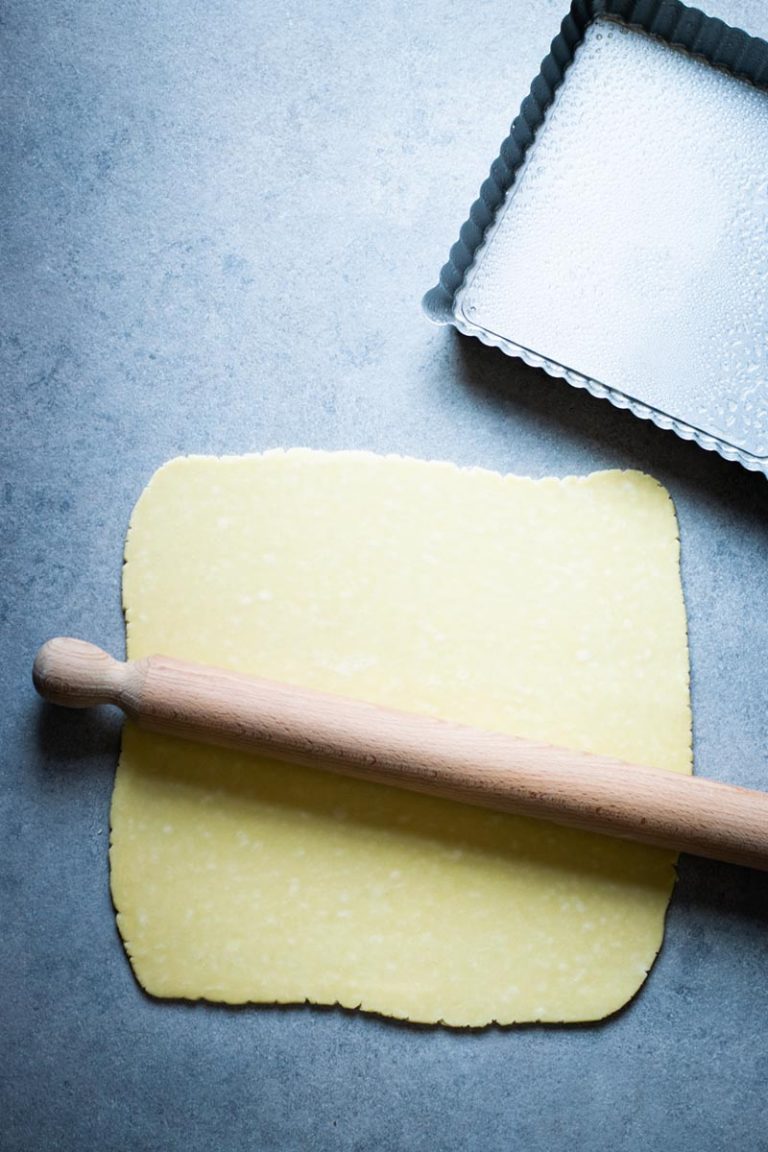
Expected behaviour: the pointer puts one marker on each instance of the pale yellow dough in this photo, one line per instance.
(552, 609)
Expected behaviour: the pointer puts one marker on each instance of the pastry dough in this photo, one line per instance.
(551, 609)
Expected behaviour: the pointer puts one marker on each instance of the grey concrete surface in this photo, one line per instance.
(218, 220)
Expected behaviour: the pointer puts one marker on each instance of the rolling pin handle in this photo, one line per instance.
(76, 674)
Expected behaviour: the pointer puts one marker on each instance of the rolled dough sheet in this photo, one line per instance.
(551, 609)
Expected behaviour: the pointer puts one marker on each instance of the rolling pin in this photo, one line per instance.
(420, 753)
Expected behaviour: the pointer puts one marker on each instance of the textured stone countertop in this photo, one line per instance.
(218, 223)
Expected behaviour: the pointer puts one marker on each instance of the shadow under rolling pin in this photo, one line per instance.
(437, 757)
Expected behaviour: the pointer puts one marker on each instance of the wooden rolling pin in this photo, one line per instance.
(490, 769)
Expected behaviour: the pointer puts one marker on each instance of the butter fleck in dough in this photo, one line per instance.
(550, 609)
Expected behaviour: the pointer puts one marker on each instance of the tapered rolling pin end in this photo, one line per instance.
(76, 674)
